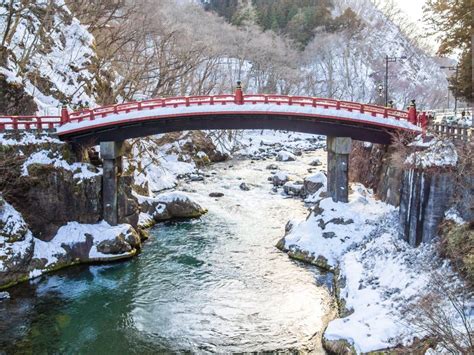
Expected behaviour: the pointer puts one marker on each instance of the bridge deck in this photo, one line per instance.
(304, 114)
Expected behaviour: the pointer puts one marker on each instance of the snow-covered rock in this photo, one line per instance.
(55, 159)
(16, 245)
(294, 188)
(279, 178)
(439, 153)
(285, 156)
(314, 183)
(167, 206)
(22, 256)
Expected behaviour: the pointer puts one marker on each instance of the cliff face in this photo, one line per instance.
(372, 165)
(51, 210)
(50, 188)
(45, 58)
(425, 180)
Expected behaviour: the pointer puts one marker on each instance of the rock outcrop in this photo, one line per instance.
(174, 205)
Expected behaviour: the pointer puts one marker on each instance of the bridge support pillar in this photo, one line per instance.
(111, 153)
(338, 149)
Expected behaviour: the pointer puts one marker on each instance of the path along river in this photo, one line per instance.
(216, 284)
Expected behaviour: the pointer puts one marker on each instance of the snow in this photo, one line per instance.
(45, 157)
(27, 138)
(13, 225)
(318, 178)
(63, 60)
(380, 275)
(144, 219)
(243, 109)
(251, 142)
(361, 209)
(160, 166)
(285, 156)
(439, 153)
(453, 215)
(74, 233)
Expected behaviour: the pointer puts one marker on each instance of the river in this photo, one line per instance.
(214, 284)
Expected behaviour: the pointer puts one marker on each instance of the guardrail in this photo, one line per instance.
(50, 122)
(455, 132)
(39, 123)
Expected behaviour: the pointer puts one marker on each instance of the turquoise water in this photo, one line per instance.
(215, 284)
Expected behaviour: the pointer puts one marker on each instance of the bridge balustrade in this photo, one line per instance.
(51, 122)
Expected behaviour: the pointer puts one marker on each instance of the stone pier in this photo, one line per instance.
(111, 153)
(338, 149)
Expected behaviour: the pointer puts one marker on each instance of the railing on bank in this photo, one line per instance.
(50, 122)
(40, 123)
(458, 133)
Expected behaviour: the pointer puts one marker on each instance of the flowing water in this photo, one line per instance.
(215, 284)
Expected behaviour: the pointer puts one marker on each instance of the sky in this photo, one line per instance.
(413, 8)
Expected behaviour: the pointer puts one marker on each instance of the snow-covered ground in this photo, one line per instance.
(380, 275)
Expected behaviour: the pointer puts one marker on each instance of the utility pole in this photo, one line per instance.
(389, 60)
(454, 68)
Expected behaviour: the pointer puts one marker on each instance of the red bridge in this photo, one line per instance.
(341, 121)
(294, 113)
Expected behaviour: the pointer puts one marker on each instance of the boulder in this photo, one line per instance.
(216, 194)
(171, 205)
(57, 198)
(316, 162)
(314, 182)
(272, 167)
(285, 156)
(279, 178)
(244, 187)
(294, 188)
(114, 246)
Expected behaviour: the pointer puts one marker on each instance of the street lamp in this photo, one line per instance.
(380, 90)
(389, 60)
(455, 91)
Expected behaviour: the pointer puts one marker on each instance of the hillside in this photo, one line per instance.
(45, 58)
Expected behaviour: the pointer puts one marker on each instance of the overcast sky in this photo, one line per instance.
(413, 8)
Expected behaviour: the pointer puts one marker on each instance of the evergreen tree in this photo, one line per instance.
(452, 21)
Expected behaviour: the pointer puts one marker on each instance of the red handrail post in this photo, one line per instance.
(239, 95)
(423, 123)
(412, 115)
(338, 105)
(64, 115)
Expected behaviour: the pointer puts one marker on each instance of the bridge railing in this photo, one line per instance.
(39, 123)
(49, 122)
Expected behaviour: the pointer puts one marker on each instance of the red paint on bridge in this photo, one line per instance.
(93, 119)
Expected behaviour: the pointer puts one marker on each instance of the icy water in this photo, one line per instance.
(216, 284)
